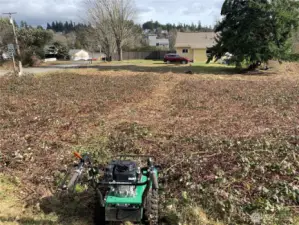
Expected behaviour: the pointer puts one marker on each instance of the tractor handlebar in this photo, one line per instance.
(86, 161)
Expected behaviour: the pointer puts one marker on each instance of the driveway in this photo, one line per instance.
(51, 68)
(33, 70)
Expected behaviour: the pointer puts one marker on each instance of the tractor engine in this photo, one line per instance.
(122, 171)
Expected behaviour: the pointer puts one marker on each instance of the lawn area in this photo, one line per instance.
(157, 66)
(160, 66)
(227, 143)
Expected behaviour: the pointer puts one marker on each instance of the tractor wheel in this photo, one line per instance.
(152, 208)
(99, 214)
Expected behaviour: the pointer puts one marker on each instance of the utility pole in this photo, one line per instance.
(16, 40)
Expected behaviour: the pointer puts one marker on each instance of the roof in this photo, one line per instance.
(74, 51)
(195, 40)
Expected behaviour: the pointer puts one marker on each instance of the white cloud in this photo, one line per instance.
(39, 12)
(186, 11)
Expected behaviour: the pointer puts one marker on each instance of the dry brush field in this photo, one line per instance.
(228, 144)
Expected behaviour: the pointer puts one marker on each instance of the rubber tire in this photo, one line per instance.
(151, 212)
(184, 62)
(99, 213)
(167, 62)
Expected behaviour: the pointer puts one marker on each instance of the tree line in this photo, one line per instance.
(66, 27)
(69, 26)
(151, 25)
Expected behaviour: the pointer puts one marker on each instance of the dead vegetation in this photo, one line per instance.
(228, 144)
(236, 108)
(6, 65)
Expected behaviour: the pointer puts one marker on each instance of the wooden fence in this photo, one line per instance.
(153, 55)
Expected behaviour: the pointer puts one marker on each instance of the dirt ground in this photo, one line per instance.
(227, 142)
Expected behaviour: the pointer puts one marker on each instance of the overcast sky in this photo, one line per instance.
(39, 12)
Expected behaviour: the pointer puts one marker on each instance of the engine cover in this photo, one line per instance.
(122, 171)
(125, 171)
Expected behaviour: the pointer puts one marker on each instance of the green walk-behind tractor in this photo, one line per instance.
(126, 191)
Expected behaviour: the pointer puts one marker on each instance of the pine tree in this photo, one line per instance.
(66, 27)
(49, 26)
(255, 31)
(199, 27)
(156, 24)
(71, 26)
(53, 26)
(24, 24)
(60, 26)
(168, 27)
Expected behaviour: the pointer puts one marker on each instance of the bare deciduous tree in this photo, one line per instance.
(172, 39)
(71, 39)
(114, 21)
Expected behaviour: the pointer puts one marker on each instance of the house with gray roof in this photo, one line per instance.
(194, 45)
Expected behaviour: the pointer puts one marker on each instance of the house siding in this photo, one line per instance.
(198, 55)
(158, 42)
(188, 55)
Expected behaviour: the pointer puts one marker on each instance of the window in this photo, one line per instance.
(157, 44)
(185, 50)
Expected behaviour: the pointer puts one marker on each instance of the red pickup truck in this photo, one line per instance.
(169, 58)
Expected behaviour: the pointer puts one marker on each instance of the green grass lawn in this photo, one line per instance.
(158, 66)
(160, 62)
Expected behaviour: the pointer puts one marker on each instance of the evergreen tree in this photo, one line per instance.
(192, 27)
(23, 24)
(255, 31)
(66, 27)
(156, 24)
(61, 50)
(71, 26)
(53, 26)
(199, 27)
(168, 27)
(49, 26)
(60, 26)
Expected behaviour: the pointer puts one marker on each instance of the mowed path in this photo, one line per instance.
(153, 109)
